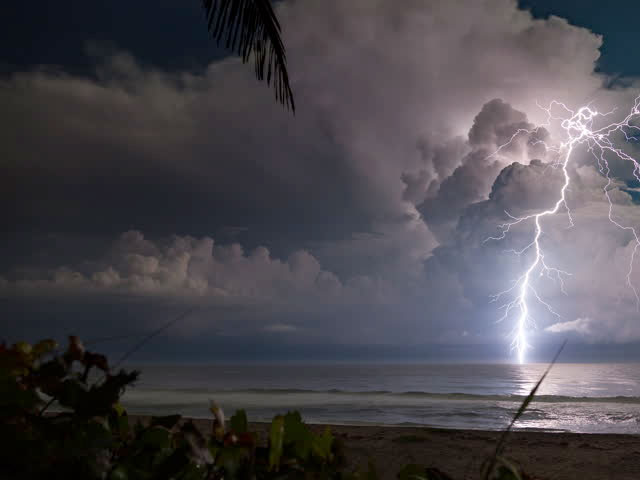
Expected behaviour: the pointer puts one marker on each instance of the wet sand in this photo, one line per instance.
(460, 453)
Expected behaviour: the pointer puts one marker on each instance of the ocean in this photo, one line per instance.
(587, 398)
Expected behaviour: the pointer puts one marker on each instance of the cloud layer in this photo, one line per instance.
(197, 270)
(374, 201)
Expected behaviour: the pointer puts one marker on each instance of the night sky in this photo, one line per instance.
(144, 172)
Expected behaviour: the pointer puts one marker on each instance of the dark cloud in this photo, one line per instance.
(363, 217)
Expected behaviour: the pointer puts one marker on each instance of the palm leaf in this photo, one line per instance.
(250, 27)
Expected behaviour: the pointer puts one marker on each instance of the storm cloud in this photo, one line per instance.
(369, 209)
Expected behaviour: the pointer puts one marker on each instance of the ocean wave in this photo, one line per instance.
(454, 396)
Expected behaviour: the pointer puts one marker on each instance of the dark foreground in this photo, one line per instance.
(460, 453)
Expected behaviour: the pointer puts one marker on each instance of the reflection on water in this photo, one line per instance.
(574, 397)
(582, 380)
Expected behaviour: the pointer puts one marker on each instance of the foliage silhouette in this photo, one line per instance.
(92, 437)
(250, 27)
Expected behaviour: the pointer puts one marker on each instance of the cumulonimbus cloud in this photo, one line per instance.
(197, 270)
(384, 176)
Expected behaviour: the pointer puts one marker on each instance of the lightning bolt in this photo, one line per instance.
(579, 128)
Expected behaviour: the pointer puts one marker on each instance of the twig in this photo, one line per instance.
(142, 342)
(47, 405)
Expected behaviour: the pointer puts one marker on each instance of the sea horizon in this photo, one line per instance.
(583, 398)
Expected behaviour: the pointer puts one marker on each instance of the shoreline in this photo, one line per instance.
(460, 453)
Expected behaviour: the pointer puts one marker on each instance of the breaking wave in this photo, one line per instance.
(413, 394)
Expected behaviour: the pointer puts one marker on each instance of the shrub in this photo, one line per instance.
(90, 436)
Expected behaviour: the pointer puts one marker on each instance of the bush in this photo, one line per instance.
(90, 437)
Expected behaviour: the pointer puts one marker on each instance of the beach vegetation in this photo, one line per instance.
(61, 417)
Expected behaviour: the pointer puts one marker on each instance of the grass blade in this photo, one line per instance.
(523, 407)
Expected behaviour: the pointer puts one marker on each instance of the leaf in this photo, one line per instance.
(276, 440)
(156, 437)
(101, 397)
(173, 465)
(191, 472)
(297, 435)
(50, 375)
(120, 424)
(71, 393)
(218, 420)
(13, 397)
(96, 360)
(96, 435)
(75, 350)
(119, 473)
(43, 347)
(321, 445)
(239, 423)
(232, 460)
(199, 451)
(250, 28)
(119, 409)
(23, 348)
(247, 439)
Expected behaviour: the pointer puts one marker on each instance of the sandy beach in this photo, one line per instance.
(460, 453)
